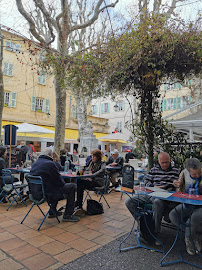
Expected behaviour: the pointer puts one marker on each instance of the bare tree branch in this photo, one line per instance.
(95, 16)
(32, 26)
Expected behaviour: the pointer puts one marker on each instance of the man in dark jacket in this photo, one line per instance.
(55, 187)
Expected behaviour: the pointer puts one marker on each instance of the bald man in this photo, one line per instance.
(161, 176)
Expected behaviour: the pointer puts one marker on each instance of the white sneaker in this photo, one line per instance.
(189, 247)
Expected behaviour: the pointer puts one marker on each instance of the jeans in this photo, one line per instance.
(68, 191)
(190, 215)
(159, 207)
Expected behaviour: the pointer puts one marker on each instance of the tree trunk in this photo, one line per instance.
(60, 119)
(1, 79)
(150, 128)
(81, 102)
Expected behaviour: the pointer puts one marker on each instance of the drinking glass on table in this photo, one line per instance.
(142, 188)
(191, 192)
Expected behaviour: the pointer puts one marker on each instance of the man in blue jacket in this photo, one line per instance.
(55, 187)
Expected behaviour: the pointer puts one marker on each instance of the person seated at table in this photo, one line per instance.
(56, 159)
(55, 187)
(129, 155)
(161, 176)
(191, 177)
(4, 165)
(117, 161)
(97, 167)
(24, 149)
(64, 157)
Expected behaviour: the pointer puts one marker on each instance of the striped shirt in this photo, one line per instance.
(163, 178)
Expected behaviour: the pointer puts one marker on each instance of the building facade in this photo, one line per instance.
(29, 94)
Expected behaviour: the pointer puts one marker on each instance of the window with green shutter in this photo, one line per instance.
(41, 79)
(33, 103)
(13, 99)
(164, 105)
(46, 108)
(179, 103)
(8, 69)
(174, 103)
(12, 47)
(102, 108)
(165, 86)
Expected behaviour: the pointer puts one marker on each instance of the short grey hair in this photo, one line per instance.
(193, 163)
(47, 152)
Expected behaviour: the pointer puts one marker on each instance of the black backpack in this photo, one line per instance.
(94, 207)
(147, 234)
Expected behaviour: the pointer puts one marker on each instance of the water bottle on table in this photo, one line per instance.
(66, 168)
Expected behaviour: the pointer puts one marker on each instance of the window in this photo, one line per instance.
(185, 100)
(170, 104)
(105, 108)
(164, 107)
(39, 105)
(119, 106)
(94, 109)
(42, 79)
(74, 111)
(119, 126)
(179, 103)
(12, 47)
(188, 82)
(6, 99)
(8, 69)
(10, 99)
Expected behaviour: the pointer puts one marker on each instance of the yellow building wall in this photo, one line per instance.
(24, 83)
(178, 91)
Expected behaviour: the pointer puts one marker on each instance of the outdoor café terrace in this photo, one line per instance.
(92, 243)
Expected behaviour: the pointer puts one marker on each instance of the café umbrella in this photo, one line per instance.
(33, 129)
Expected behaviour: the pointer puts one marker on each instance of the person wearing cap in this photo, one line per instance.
(117, 161)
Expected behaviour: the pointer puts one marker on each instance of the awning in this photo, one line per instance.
(70, 134)
(115, 138)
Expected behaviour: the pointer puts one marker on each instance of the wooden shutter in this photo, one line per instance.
(46, 108)
(108, 107)
(5, 71)
(95, 109)
(164, 105)
(10, 69)
(33, 103)
(8, 45)
(174, 103)
(13, 99)
(179, 103)
(17, 48)
(102, 108)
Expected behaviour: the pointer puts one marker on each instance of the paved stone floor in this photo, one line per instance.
(23, 247)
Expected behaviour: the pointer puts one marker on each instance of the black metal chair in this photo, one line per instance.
(99, 191)
(12, 190)
(37, 196)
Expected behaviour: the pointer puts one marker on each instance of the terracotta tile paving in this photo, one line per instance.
(40, 240)
(23, 252)
(39, 261)
(81, 244)
(56, 244)
(12, 244)
(54, 248)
